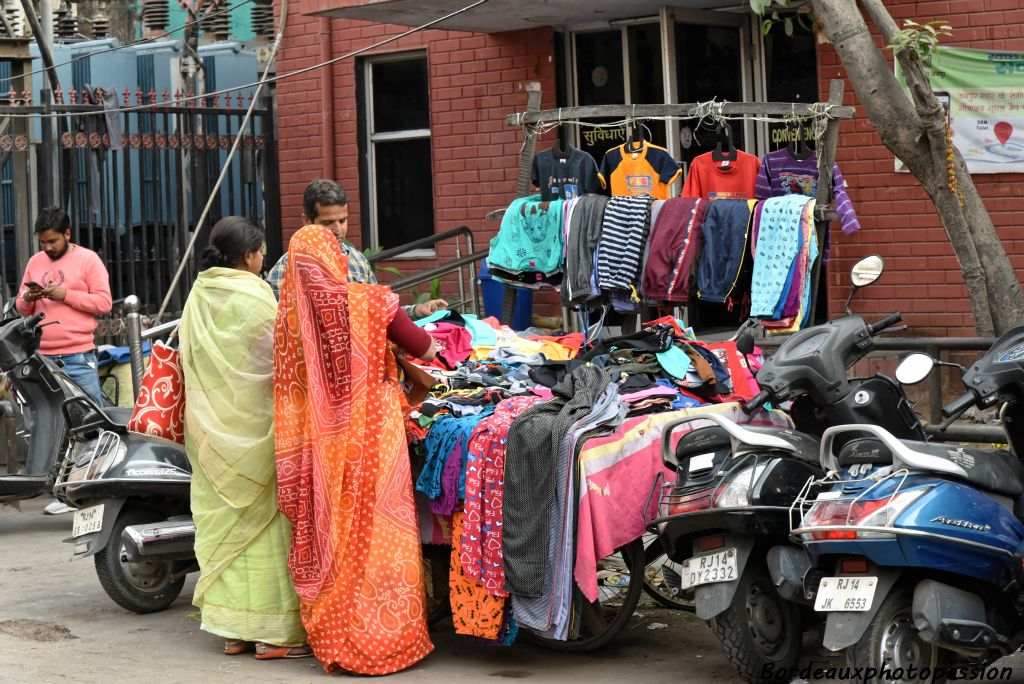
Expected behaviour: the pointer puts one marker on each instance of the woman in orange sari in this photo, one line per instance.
(343, 469)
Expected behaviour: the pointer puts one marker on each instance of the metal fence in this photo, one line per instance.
(133, 182)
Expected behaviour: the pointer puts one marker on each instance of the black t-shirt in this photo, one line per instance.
(564, 176)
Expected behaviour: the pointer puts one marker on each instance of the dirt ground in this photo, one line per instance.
(57, 625)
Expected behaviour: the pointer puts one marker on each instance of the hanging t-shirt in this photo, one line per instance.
(649, 170)
(781, 174)
(710, 179)
(564, 176)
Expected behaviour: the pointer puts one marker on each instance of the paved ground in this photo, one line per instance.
(57, 625)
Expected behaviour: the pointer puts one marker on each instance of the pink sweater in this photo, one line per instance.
(85, 278)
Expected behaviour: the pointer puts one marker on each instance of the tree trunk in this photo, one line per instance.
(914, 130)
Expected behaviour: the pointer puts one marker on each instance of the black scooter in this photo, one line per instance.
(725, 519)
(41, 388)
(132, 495)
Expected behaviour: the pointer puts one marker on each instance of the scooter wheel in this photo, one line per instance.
(891, 643)
(145, 587)
(759, 628)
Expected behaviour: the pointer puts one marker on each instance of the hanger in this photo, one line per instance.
(724, 148)
(634, 137)
(633, 134)
(798, 148)
(562, 147)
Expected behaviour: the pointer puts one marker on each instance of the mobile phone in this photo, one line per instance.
(33, 285)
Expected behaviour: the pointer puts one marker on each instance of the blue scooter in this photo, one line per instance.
(915, 551)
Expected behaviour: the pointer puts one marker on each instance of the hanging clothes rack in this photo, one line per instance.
(832, 112)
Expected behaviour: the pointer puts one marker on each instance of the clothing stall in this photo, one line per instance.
(537, 455)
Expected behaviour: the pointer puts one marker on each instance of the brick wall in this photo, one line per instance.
(922, 277)
(475, 81)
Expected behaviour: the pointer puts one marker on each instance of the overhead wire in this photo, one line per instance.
(273, 79)
(227, 163)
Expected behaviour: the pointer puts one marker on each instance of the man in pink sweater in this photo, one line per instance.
(69, 284)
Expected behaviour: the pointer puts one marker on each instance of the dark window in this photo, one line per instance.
(599, 68)
(405, 199)
(600, 80)
(400, 96)
(645, 82)
(399, 192)
(791, 73)
(708, 64)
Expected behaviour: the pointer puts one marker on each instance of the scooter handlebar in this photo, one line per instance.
(32, 320)
(890, 320)
(756, 402)
(958, 405)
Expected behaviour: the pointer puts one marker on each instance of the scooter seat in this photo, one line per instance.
(996, 471)
(701, 441)
(808, 447)
(118, 415)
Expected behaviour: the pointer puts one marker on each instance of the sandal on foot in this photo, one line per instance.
(271, 652)
(237, 647)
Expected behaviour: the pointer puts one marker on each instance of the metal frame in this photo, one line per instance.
(802, 505)
(136, 203)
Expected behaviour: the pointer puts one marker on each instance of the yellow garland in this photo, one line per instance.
(954, 184)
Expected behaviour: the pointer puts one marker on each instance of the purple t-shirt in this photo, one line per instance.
(781, 174)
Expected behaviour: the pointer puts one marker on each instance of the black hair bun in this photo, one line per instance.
(211, 257)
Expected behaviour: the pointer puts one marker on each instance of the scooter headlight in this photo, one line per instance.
(736, 492)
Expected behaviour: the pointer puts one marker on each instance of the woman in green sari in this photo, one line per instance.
(245, 592)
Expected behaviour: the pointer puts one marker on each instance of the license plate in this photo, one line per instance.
(852, 594)
(87, 521)
(713, 567)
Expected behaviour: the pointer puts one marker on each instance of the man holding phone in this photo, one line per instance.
(70, 284)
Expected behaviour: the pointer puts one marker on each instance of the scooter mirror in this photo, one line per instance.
(867, 270)
(745, 341)
(914, 368)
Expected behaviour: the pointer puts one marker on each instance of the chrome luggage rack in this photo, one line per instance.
(814, 490)
(81, 461)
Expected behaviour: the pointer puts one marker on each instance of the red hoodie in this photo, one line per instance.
(85, 278)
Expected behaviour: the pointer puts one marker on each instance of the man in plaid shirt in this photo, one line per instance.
(325, 203)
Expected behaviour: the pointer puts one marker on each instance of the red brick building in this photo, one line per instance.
(415, 129)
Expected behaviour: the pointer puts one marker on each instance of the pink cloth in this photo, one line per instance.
(453, 342)
(85, 278)
(618, 473)
(658, 391)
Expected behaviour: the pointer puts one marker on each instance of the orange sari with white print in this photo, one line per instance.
(343, 469)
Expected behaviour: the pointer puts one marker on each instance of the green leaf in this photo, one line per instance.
(766, 26)
(775, 16)
(388, 269)
(787, 25)
(757, 6)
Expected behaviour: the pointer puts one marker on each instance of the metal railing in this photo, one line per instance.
(459, 263)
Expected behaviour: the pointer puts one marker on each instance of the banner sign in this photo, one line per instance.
(983, 92)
